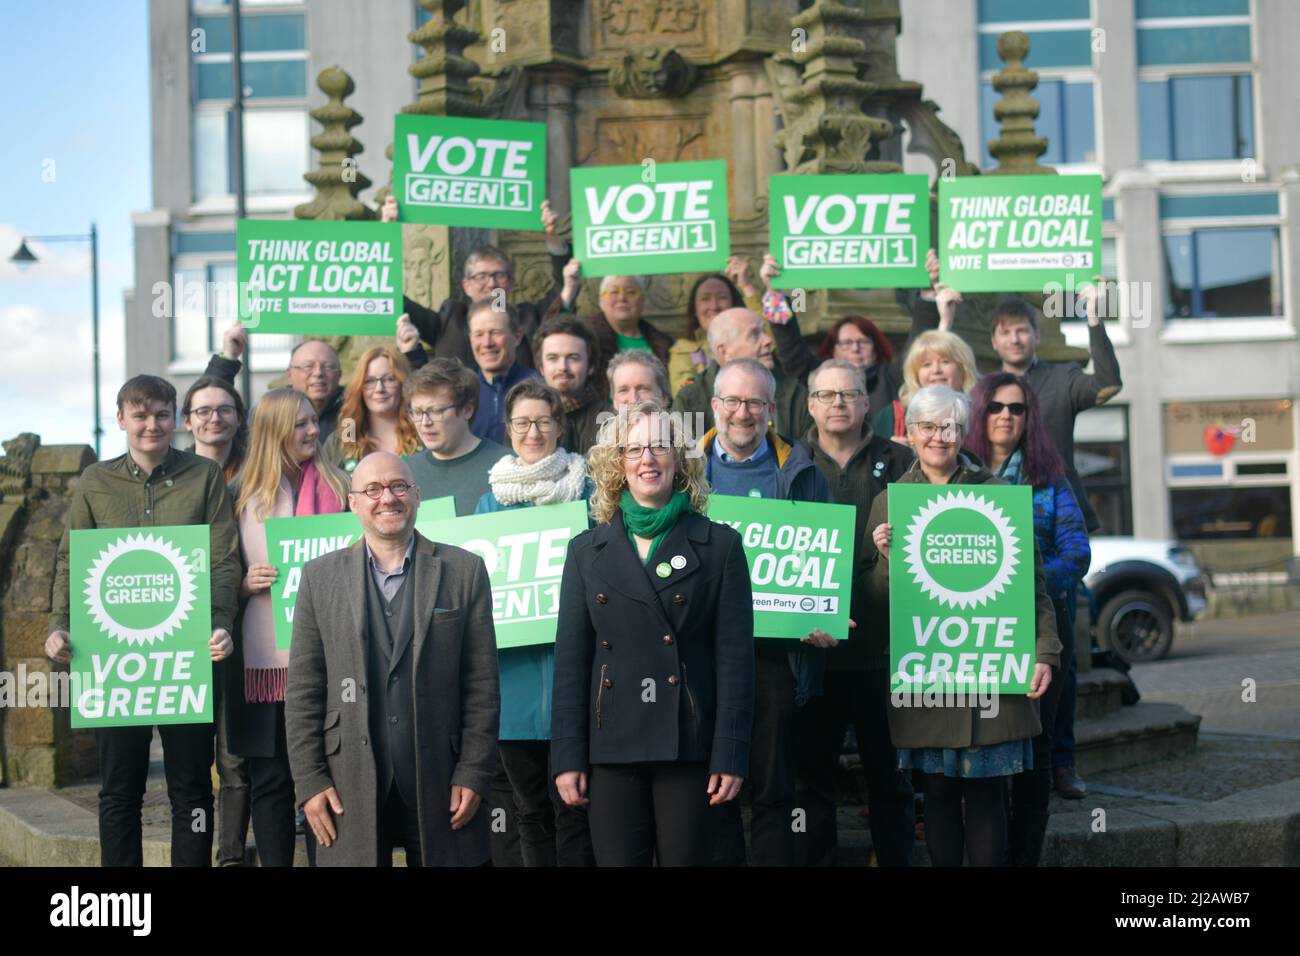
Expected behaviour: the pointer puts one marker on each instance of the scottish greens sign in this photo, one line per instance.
(800, 557)
(851, 231)
(961, 588)
(140, 625)
(524, 550)
(453, 171)
(292, 542)
(1019, 233)
(651, 219)
(319, 278)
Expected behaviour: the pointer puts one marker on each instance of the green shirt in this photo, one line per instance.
(628, 342)
(184, 489)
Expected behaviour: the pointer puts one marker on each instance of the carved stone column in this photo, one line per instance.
(742, 157)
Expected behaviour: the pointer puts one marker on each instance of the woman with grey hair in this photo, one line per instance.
(963, 758)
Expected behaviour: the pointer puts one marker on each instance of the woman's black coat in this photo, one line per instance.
(654, 668)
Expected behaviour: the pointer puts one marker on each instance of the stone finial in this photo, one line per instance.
(337, 181)
(1017, 147)
(444, 70)
(826, 130)
(16, 465)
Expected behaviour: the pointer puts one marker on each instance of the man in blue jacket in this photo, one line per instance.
(745, 457)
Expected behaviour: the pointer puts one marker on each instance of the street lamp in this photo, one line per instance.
(25, 257)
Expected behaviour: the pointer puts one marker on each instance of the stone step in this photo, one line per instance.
(1133, 735)
(1099, 693)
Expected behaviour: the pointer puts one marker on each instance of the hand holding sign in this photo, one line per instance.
(408, 336)
(881, 538)
(258, 579)
(58, 647)
(234, 340)
(388, 212)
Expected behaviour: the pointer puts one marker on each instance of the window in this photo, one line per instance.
(1223, 273)
(1060, 50)
(1196, 88)
(276, 128)
(205, 304)
(1101, 457)
(1220, 514)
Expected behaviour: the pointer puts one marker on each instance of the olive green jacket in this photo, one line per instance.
(956, 727)
(184, 489)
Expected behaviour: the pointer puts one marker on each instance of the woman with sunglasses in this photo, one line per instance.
(551, 833)
(372, 415)
(1007, 431)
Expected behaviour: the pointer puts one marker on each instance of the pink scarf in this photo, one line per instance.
(266, 667)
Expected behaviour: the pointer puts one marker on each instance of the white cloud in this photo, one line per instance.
(61, 260)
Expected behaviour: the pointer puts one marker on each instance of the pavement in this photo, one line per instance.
(1235, 800)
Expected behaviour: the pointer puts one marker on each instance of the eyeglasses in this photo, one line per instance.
(522, 426)
(484, 276)
(620, 293)
(375, 489)
(755, 405)
(930, 429)
(311, 368)
(854, 344)
(827, 396)
(635, 452)
(434, 413)
(372, 383)
(1015, 408)
(207, 411)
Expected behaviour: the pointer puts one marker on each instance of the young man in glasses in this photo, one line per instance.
(487, 275)
(407, 760)
(441, 399)
(857, 465)
(744, 456)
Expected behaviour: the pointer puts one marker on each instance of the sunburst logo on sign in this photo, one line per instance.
(961, 550)
(140, 589)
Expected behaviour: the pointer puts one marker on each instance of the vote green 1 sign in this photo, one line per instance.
(651, 219)
(524, 551)
(850, 231)
(453, 171)
(319, 278)
(292, 542)
(800, 557)
(141, 620)
(961, 588)
(1019, 233)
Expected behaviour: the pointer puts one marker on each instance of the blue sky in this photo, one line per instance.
(78, 151)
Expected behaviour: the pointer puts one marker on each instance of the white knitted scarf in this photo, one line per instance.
(558, 477)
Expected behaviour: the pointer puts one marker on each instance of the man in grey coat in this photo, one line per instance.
(392, 704)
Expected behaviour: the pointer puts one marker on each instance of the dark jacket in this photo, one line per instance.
(876, 462)
(957, 727)
(690, 634)
(582, 424)
(798, 479)
(792, 417)
(456, 702)
(184, 490)
(229, 369)
(1064, 389)
(447, 329)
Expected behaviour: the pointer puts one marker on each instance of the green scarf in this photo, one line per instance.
(653, 523)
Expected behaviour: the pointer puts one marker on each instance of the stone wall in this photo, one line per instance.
(37, 744)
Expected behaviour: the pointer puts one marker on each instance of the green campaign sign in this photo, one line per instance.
(292, 542)
(651, 219)
(1019, 233)
(961, 588)
(319, 278)
(850, 231)
(800, 557)
(453, 171)
(141, 620)
(524, 550)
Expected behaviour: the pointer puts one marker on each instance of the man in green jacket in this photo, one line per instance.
(153, 485)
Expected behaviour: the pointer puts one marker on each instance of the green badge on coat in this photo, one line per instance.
(663, 570)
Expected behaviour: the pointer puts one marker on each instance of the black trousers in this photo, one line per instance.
(1030, 792)
(981, 833)
(232, 794)
(551, 833)
(399, 825)
(771, 783)
(271, 799)
(124, 771)
(642, 810)
(862, 699)
(504, 821)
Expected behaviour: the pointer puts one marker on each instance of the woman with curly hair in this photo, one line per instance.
(539, 472)
(654, 653)
(372, 415)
